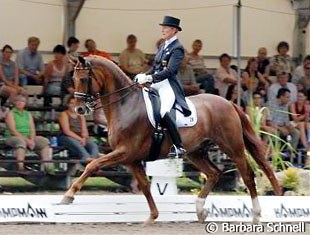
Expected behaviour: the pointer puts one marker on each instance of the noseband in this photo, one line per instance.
(90, 99)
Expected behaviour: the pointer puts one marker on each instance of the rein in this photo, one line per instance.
(90, 99)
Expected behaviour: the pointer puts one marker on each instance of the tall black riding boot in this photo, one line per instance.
(177, 150)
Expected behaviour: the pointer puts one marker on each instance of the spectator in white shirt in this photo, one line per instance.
(282, 82)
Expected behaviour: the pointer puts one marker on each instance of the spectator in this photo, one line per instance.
(30, 63)
(300, 116)
(75, 134)
(225, 76)
(232, 95)
(132, 60)
(251, 86)
(56, 71)
(21, 134)
(280, 119)
(305, 79)
(281, 62)
(251, 73)
(282, 82)
(91, 47)
(200, 70)
(187, 78)
(257, 108)
(300, 71)
(263, 64)
(73, 45)
(9, 85)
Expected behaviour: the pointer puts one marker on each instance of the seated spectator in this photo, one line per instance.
(21, 135)
(200, 70)
(282, 82)
(67, 88)
(300, 71)
(225, 76)
(30, 63)
(251, 86)
(304, 81)
(91, 47)
(187, 78)
(232, 95)
(251, 73)
(9, 80)
(55, 72)
(280, 119)
(281, 62)
(73, 45)
(263, 63)
(300, 116)
(257, 108)
(75, 134)
(132, 60)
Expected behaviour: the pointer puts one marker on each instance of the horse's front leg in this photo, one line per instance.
(113, 158)
(139, 173)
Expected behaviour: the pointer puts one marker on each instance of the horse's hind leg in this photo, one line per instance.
(139, 173)
(248, 177)
(113, 158)
(203, 163)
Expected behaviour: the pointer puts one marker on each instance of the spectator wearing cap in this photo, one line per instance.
(21, 135)
(282, 82)
(282, 62)
(91, 47)
(280, 119)
(225, 75)
(30, 63)
(56, 71)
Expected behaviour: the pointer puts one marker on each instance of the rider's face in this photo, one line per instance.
(168, 32)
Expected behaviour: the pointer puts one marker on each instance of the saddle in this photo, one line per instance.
(153, 105)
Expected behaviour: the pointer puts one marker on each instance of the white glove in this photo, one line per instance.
(142, 78)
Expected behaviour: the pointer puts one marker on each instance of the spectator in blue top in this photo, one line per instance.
(30, 63)
(8, 75)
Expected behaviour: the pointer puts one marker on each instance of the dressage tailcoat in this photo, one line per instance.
(166, 65)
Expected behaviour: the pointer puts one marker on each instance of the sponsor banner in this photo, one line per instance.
(134, 208)
(25, 209)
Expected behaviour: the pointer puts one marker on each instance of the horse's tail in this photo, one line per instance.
(257, 149)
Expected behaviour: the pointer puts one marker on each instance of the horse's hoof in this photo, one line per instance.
(202, 216)
(66, 200)
(256, 219)
(150, 221)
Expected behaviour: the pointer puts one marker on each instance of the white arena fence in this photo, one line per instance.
(134, 208)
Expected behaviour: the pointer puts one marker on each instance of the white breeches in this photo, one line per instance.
(167, 97)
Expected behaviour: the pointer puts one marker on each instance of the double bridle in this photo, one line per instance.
(88, 98)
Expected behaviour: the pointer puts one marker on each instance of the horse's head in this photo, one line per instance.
(95, 76)
(86, 89)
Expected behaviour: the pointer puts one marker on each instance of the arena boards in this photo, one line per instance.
(133, 208)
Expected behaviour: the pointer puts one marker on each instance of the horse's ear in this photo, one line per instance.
(82, 60)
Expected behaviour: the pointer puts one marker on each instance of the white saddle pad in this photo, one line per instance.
(181, 121)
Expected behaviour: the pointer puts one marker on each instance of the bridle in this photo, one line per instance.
(90, 99)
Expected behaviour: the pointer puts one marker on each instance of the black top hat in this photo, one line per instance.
(172, 22)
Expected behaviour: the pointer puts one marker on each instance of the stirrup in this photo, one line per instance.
(176, 152)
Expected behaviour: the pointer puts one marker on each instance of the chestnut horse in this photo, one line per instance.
(130, 134)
